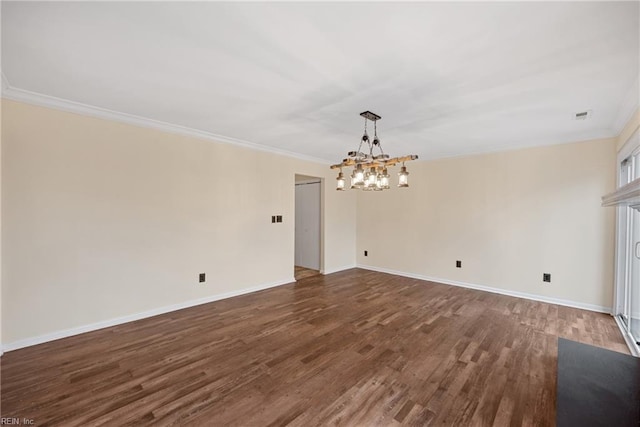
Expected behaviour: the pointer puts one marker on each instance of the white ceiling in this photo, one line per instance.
(447, 78)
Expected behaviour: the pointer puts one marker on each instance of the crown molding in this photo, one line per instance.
(629, 105)
(34, 98)
(627, 109)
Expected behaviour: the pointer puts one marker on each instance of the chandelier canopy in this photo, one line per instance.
(370, 167)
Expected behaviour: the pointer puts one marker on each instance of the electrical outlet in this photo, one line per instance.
(273, 219)
(366, 253)
(201, 278)
(546, 277)
(279, 218)
(458, 264)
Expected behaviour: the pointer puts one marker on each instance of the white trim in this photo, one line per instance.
(338, 269)
(34, 98)
(628, 339)
(627, 108)
(5, 82)
(629, 146)
(627, 149)
(584, 306)
(42, 100)
(628, 194)
(137, 316)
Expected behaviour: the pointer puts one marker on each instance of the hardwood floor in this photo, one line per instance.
(352, 348)
(303, 272)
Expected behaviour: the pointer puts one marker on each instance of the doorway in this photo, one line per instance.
(308, 226)
(627, 295)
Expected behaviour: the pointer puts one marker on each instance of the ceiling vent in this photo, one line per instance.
(583, 115)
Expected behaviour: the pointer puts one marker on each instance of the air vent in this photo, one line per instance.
(583, 115)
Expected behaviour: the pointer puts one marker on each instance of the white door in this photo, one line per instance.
(307, 232)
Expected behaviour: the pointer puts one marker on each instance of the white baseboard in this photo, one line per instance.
(27, 342)
(166, 309)
(541, 298)
(335, 270)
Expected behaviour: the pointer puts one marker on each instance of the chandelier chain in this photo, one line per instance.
(362, 139)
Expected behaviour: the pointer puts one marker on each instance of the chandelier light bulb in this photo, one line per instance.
(403, 177)
(384, 179)
(340, 181)
(371, 178)
(357, 178)
(379, 182)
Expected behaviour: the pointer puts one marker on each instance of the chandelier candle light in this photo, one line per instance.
(370, 167)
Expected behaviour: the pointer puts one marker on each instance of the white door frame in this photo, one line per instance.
(313, 179)
(622, 266)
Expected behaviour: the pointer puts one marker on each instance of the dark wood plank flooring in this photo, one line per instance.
(351, 348)
(303, 272)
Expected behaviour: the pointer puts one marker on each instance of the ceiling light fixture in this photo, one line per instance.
(370, 167)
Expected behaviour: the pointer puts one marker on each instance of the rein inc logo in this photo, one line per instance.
(6, 421)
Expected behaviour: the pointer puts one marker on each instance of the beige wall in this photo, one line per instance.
(104, 219)
(1, 273)
(510, 217)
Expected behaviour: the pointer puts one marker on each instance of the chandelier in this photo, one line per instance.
(370, 166)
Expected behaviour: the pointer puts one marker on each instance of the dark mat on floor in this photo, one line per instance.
(596, 387)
